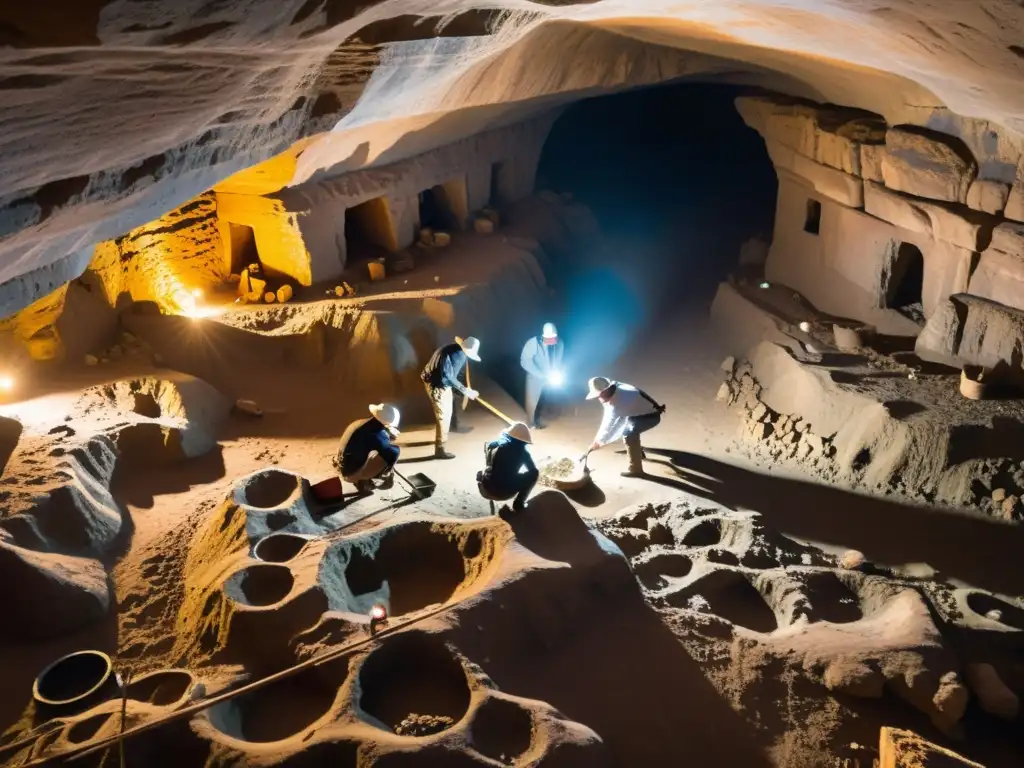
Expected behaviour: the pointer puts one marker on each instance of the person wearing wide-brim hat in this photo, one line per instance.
(440, 376)
(510, 470)
(628, 413)
(367, 451)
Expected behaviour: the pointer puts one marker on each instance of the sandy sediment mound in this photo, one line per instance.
(421, 696)
(884, 420)
(159, 419)
(62, 523)
(775, 612)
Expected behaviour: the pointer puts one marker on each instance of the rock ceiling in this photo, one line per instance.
(115, 112)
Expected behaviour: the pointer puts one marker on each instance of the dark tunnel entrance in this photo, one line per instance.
(678, 182)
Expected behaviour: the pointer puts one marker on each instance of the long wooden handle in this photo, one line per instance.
(469, 385)
(495, 411)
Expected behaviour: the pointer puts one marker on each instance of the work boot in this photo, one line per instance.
(364, 487)
(538, 424)
(387, 482)
(636, 457)
(441, 452)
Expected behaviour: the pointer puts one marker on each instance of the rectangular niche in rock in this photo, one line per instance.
(812, 222)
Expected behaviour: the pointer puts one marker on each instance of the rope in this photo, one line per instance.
(86, 749)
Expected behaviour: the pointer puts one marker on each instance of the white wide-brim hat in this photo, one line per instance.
(597, 385)
(519, 431)
(387, 415)
(471, 346)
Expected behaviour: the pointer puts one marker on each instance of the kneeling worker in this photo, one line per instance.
(510, 470)
(367, 452)
(440, 377)
(628, 413)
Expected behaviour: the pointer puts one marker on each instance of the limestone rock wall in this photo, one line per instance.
(862, 204)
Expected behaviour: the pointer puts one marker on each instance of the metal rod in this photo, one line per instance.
(85, 749)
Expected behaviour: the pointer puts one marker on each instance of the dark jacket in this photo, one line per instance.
(505, 457)
(362, 438)
(445, 367)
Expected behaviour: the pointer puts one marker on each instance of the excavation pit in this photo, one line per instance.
(260, 585)
(270, 488)
(984, 604)
(729, 595)
(75, 682)
(412, 684)
(706, 533)
(654, 573)
(162, 688)
(280, 710)
(278, 547)
(828, 599)
(502, 730)
(408, 567)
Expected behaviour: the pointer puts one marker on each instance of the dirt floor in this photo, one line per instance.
(742, 640)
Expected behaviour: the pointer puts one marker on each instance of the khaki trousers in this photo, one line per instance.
(442, 401)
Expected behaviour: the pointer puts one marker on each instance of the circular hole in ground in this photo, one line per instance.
(983, 603)
(729, 595)
(279, 547)
(413, 685)
(502, 730)
(828, 599)
(420, 564)
(270, 488)
(706, 533)
(652, 573)
(473, 545)
(72, 678)
(282, 709)
(161, 688)
(85, 730)
(260, 585)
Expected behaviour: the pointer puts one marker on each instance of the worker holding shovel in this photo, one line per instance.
(440, 377)
(367, 451)
(628, 413)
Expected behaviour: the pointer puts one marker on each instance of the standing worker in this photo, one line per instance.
(367, 451)
(542, 360)
(510, 470)
(628, 413)
(440, 377)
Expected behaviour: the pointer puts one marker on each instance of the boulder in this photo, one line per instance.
(988, 196)
(834, 184)
(928, 218)
(830, 136)
(871, 162)
(1000, 277)
(1008, 237)
(927, 164)
(969, 330)
(1015, 201)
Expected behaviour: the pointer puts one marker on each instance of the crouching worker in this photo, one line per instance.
(367, 451)
(628, 413)
(510, 470)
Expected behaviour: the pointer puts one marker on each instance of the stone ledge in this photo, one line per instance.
(928, 218)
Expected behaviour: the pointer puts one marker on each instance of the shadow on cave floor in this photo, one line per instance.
(138, 486)
(885, 531)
